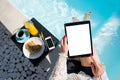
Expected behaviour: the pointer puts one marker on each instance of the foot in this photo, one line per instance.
(74, 19)
(87, 16)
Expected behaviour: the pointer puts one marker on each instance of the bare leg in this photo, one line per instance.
(87, 16)
(74, 19)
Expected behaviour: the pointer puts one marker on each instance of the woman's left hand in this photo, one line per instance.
(64, 46)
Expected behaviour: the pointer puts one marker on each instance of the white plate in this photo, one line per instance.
(37, 40)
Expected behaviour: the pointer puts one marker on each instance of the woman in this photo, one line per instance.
(60, 70)
(86, 60)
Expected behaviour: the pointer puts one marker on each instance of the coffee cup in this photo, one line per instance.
(22, 35)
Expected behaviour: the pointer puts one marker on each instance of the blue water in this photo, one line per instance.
(105, 23)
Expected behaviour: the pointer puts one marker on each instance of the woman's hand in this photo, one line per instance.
(97, 68)
(64, 46)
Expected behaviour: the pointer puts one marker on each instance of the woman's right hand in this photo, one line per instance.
(97, 68)
(64, 46)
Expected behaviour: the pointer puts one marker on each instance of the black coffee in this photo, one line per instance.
(20, 34)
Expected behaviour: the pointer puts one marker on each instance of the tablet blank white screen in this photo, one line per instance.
(79, 39)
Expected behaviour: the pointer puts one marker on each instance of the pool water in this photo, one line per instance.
(105, 23)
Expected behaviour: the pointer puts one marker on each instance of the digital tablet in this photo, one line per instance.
(79, 38)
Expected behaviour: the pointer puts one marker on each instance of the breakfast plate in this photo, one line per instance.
(36, 40)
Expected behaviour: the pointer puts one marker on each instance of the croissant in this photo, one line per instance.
(33, 47)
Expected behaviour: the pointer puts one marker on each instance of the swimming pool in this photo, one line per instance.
(105, 24)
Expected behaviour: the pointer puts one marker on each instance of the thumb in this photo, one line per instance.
(93, 68)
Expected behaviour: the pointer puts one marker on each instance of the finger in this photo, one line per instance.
(95, 61)
(93, 68)
(62, 42)
(92, 65)
(64, 36)
(65, 40)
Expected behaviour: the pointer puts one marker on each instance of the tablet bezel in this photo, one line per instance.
(80, 23)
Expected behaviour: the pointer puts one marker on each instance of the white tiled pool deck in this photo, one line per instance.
(10, 16)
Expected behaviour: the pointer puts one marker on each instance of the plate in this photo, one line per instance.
(37, 40)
